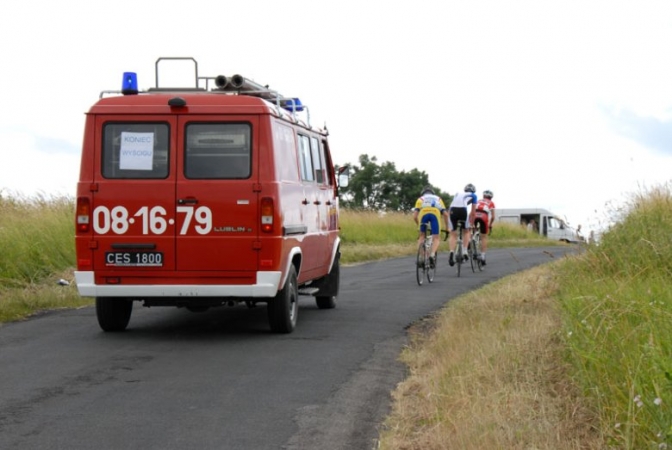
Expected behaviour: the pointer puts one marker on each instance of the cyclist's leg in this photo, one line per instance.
(421, 234)
(454, 217)
(421, 244)
(434, 224)
(453, 229)
(467, 236)
(480, 224)
(485, 229)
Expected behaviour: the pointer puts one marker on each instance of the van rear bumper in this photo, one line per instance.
(266, 286)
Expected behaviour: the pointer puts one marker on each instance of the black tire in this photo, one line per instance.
(113, 313)
(431, 271)
(472, 255)
(459, 258)
(284, 308)
(329, 301)
(479, 250)
(420, 265)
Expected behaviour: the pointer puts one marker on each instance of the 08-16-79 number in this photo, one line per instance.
(154, 220)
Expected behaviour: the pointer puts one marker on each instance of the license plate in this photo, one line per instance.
(134, 259)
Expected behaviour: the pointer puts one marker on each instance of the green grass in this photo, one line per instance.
(36, 239)
(37, 248)
(617, 304)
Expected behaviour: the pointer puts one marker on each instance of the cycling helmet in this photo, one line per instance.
(487, 194)
(470, 188)
(427, 190)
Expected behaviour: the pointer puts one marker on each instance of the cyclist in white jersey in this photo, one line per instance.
(458, 212)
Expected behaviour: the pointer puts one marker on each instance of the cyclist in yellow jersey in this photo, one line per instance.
(428, 211)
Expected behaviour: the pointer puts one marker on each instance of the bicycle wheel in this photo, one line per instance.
(458, 257)
(420, 265)
(471, 251)
(478, 251)
(431, 271)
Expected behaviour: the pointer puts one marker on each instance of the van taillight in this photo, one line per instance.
(267, 211)
(83, 214)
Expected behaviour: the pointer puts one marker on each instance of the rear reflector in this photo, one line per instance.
(83, 214)
(267, 210)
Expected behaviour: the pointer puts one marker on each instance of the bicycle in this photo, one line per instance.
(475, 249)
(423, 268)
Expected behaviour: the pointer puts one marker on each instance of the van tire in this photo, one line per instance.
(284, 308)
(113, 313)
(329, 301)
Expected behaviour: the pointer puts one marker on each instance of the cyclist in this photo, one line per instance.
(485, 217)
(459, 214)
(428, 211)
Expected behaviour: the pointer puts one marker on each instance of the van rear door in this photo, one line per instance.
(217, 193)
(133, 194)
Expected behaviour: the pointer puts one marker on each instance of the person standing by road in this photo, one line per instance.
(459, 214)
(428, 211)
(485, 217)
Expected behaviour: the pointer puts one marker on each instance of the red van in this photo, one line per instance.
(215, 194)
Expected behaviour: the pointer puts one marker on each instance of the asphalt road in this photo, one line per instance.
(220, 379)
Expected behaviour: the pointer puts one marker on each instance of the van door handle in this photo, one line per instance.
(187, 201)
(305, 201)
(328, 202)
(317, 202)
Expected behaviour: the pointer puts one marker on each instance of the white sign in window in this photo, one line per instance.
(137, 151)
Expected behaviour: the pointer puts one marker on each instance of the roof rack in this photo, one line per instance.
(234, 85)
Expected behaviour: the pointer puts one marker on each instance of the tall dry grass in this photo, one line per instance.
(490, 374)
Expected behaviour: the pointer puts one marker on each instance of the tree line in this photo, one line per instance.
(381, 187)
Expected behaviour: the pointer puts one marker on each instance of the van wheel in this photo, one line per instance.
(284, 308)
(329, 301)
(113, 313)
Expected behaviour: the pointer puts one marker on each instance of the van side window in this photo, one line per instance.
(328, 165)
(305, 159)
(135, 150)
(284, 145)
(318, 160)
(217, 151)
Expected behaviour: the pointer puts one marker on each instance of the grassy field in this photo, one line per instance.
(575, 354)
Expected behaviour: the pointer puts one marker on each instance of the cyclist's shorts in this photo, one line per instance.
(482, 223)
(432, 221)
(458, 215)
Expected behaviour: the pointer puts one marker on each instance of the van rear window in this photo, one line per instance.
(135, 150)
(217, 151)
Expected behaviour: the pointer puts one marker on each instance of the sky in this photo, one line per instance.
(563, 105)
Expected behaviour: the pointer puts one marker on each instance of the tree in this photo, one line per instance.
(382, 187)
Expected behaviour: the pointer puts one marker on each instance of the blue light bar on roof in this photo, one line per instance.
(293, 104)
(129, 85)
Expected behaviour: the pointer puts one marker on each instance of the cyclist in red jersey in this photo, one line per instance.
(485, 217)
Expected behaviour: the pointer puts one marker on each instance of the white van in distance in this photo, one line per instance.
(540, 220)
